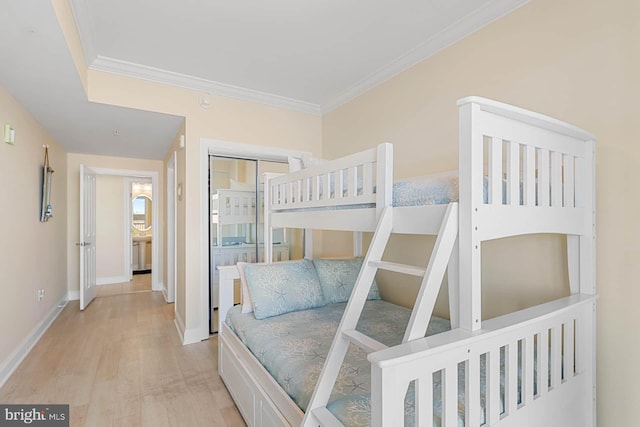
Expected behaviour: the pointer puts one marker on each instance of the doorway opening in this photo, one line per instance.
(141, 222)
(113, 229)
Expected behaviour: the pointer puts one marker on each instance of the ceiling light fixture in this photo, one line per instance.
(205, 101)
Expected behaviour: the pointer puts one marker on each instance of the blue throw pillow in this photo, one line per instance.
(337, 278)
(283, 287)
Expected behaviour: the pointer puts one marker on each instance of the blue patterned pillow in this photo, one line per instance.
(337, 278)
(283, 287)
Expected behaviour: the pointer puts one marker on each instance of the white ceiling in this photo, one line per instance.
(39, 72)
(304, 55)
(307, 55)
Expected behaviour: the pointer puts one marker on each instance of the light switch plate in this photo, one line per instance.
(9, 134)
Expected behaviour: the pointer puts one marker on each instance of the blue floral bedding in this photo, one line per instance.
(293, 347)
(435, 189)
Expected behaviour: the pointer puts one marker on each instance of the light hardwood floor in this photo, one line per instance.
(120, 363)
(139, 283)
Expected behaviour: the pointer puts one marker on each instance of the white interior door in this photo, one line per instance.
(87, 236)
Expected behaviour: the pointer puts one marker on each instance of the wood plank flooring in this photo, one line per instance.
(138, 283)
(121, 363)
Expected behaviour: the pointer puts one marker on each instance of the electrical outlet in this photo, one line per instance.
(40, 294)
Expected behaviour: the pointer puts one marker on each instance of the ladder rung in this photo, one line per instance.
(363, 341)
(326, 418)
(399, 268)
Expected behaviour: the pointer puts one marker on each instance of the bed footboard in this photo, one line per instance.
(532, 367)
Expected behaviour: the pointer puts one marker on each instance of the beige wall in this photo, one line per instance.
(574, 60)
(229, 120)
(32, 254)
(73, 205)
(110, 263)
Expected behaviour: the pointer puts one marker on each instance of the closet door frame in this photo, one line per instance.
(220, 148)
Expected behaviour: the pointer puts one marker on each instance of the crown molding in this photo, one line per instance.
(84, 25)
(445, 38)
(158, 75)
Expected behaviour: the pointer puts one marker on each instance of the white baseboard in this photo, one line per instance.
(159, 287)
(13, 361)
(73, 295)
(179, 326)
(192, 336)
(187, 336)
(111, 280)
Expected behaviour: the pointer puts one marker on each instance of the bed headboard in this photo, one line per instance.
(540, 178)
(532, 162)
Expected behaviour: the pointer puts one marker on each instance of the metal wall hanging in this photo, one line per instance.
(45, 207)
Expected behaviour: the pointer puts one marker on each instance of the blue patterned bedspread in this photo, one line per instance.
(435, 189)
(293, 347)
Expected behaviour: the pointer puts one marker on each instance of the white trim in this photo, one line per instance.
(188, 336)
(73, 295)
(111, 280)
(157, 75)
(128, 250)
(460, 29)
(194, 335)
(13, 361)
(85, 26)
(177, 320)
(172, 206)
(218, 147)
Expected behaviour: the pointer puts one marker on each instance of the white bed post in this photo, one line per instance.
(268, 232)
(308, 243)
(581, 249)
(227, 275)
(470, 146)
(384, 178)
(581, 256)
(357, 243)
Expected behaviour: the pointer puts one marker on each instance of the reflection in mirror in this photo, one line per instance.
(142, 213)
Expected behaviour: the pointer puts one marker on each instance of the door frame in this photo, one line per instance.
(128, 219)
(169, 290)
(156, 230)
(217, 147)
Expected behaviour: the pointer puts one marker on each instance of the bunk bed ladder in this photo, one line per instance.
(317, 412)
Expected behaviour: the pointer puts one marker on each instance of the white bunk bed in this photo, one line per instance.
(538, 364)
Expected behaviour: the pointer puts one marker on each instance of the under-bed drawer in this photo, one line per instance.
(269, 416)
(254, 405)
(241, 390)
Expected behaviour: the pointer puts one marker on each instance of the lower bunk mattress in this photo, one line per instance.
(293, 348)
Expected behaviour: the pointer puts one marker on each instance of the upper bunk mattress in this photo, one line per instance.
(435, 189)
(294, 346)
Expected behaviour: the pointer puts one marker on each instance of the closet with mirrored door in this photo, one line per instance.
(236, 209)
